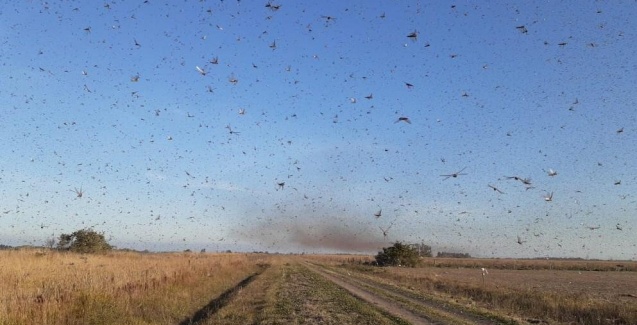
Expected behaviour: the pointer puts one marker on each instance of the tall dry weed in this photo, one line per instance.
(49, 287)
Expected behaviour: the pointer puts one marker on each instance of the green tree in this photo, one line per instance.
(398, 255)
(84, 241)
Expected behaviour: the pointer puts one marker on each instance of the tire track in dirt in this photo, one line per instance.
(415, 310)
(216, 304)
(290, 293)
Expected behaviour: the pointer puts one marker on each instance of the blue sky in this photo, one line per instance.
(107, 98)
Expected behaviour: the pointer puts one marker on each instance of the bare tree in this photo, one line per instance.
(50, 243)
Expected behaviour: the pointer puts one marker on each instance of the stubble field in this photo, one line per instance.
(47, 287)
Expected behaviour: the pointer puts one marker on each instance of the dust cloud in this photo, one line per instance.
(333, 237)
(296, 235)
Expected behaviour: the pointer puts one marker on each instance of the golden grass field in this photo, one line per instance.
(50, 287)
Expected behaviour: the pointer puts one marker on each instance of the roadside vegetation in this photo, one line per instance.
(41, 286)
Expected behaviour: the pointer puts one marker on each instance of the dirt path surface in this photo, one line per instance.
(296, 292)
(380, 302)
(403, 304)
(290, 293)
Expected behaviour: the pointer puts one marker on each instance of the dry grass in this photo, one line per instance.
(47, 287)
(338, 259)
(532, 264)
(543, 291)
(254, 302)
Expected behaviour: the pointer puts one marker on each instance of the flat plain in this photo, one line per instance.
(48, 287)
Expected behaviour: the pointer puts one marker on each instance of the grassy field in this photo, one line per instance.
(48, 287)
(569, 292)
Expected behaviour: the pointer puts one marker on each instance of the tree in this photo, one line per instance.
(398, 255)
(84, 241)
(49, 243)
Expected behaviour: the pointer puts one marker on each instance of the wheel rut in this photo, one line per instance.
(201, 315)
(413, 309)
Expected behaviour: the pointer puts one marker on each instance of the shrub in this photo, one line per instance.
(398, 255)
(84, 241)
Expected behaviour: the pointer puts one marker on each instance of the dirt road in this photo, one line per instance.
(401, 303)
(295, 292)
(290, 293)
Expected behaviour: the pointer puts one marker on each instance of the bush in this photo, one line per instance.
(398, 255)
(84, 241)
